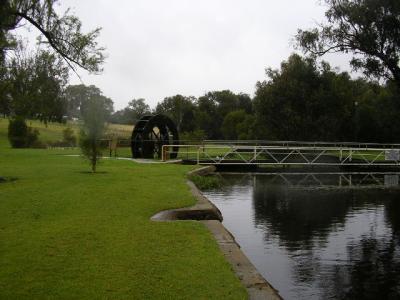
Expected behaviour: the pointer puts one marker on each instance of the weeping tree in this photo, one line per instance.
(94, 114)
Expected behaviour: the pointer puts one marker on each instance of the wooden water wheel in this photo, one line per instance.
(151, 132)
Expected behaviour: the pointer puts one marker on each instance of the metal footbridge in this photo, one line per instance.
(286, 153)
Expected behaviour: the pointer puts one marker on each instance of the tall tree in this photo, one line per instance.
(62, 33)
(77, 96)
(180, 109)
(304, 101)
(207, 118)
(214, 106)
(5, 99)
(36, 86)
(226, 101)
(245, 103)
(20, 77)
(136, 109)
(370, 29)
(238, 125)
(51, 76)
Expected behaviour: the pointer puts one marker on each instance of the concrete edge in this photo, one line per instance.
(202, 210)
(207, 213)
(257, 286)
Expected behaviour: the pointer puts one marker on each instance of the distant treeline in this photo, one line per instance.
(303, 100)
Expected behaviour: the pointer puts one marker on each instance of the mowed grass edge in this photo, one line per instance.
(69, 234)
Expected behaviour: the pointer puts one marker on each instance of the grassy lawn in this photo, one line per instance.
(54, 131)
(69, 234)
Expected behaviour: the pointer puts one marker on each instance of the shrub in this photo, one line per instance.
(17, 132)
(32, 138)
(69, 139)
(20, 135)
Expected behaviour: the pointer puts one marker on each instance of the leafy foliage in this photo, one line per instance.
(36, 87)
(20, 135)
(213, 107)
(77, 97)
(136, 109)
(192, 137)
(5, 101)
(303, 101)
(180, 109)
(68, 137)
(62, 33)
(238, 125)
(17, 132)
(370, 29)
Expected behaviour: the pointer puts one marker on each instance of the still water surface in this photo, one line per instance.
(317, 236)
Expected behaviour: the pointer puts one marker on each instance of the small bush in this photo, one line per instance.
(69, 139)
(32, 138)
(38, 144)
(17, 132)
(20, 135)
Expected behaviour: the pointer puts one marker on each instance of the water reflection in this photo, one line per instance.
(318, 236)
(371, 273)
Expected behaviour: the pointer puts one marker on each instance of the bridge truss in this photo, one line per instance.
(289, 153)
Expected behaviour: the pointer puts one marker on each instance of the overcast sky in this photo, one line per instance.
(159, 48)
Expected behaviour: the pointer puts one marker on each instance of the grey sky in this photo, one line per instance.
(161, 48)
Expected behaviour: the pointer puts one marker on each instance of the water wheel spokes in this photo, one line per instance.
(150, 134)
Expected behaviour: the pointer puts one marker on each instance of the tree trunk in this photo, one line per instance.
(94, 156)
(395, 70)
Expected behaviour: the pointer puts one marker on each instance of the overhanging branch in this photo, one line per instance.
(52, 43)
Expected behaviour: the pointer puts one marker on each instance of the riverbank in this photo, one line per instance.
(208, 214)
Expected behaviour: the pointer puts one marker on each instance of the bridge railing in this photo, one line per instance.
(289, 154)
(302, 143)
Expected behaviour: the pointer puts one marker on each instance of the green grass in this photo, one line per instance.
(362, 154)
(54, 131)
(69, 234)
(206, 182)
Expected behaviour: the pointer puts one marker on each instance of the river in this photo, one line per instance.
(317, 236)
